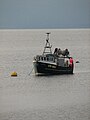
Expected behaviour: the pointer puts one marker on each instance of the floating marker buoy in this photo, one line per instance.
(77, 61)
(13, 74)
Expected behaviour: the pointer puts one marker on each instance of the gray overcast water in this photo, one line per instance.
(30, 97)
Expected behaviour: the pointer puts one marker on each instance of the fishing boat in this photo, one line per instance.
(48, 63)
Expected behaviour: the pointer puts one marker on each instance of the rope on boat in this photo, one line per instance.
(31, 71)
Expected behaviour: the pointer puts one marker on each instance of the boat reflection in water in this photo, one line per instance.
(50, 63)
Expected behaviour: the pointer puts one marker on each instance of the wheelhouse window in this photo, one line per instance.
(45, 58)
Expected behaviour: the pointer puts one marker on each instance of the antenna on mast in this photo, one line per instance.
(47, 36)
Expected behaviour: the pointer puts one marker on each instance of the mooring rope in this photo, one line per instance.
(31, 71)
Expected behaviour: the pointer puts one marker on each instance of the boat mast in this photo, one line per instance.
(47, 46)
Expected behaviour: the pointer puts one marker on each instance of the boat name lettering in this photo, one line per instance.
(51, 66)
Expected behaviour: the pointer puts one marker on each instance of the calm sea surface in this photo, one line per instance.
(30, 97)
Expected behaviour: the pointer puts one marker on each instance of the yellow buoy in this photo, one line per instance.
(13, 74)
